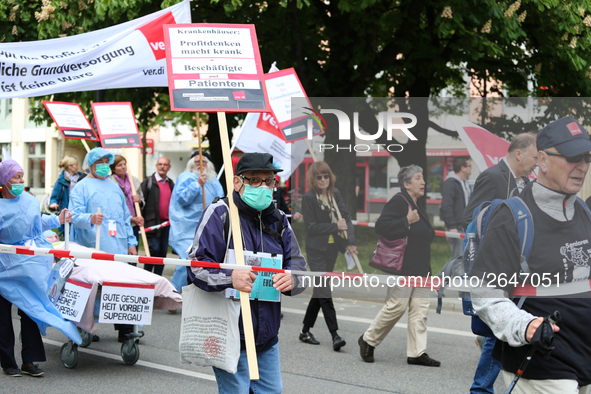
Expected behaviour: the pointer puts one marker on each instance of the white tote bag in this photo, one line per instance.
(209, 329)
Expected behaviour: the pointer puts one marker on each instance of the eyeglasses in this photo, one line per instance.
(573, 159)
(321, 177)
(256, 182)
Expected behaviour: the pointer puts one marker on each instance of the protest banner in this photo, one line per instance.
(126, 303)
(291, 119)
(127, 55)
(217, 67)
(70, 120)
(73, 299)
(116, 125)
(118, 129)
(260, 133)
(485, 148)
(214, 67)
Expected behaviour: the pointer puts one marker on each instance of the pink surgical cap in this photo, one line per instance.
(8, 169)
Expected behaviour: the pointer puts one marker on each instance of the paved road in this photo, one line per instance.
(305, 368)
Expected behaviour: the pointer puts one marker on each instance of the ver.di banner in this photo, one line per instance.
(131, 54)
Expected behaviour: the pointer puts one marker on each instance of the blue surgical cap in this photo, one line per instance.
(8, 169)
(99, 153)
(48, 233)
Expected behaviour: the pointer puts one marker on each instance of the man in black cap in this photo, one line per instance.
(264, 229)
(559, 259)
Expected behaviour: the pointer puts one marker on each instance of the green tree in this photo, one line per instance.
(356, 48)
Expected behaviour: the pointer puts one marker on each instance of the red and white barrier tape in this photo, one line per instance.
(433, 283)
(439, 233)
(156, 227)
(429, 282)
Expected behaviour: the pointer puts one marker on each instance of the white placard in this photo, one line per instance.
(115, 120)
(69, 116)
(126, 305)
(72, 301)
(280, 91)
(214, 67)
(211, 42)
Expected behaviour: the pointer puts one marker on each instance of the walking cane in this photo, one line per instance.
(98, 233)
(542, 340)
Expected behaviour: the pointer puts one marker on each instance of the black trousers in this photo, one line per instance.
(321, 297)
(32, 349)
(158, 248)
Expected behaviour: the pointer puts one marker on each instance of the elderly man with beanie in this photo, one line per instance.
(264, 229)
(97, 191)
(559, 256)
(23, 278)
(186, 207)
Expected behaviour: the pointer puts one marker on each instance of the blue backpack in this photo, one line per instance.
(525, 232)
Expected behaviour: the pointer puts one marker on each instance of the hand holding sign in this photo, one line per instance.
(243, 280)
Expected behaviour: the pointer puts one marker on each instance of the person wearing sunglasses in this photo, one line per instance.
(327, 236)
(559, 253)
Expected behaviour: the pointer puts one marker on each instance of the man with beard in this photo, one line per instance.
(186, 208)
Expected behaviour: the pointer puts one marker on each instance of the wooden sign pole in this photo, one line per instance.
(201, 162)
(251, 355)
(86, 146)
(98, 233)
(138, 212)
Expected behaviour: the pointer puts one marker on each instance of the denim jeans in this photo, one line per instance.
(239, 383)
(179, 279)
(487, 371)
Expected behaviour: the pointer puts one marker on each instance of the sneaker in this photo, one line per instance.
(307, 337)
(365, 350)
(14, 372)
(96, 338)
(338, 343)
(423, 359)
(32, 370)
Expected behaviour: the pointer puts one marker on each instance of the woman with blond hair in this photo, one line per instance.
(326, 238)
(68, 178)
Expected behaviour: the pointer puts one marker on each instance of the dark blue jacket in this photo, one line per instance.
(61, 191)
(210, 245)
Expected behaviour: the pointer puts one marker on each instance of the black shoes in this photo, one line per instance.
(96, 338)
(14, 372)
(32, 370)
(307, 337)
(338, 343)
(366, 350)
(424, 360)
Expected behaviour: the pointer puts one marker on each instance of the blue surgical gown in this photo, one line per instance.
(23, 278)
(186, 208)
(90, 194)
